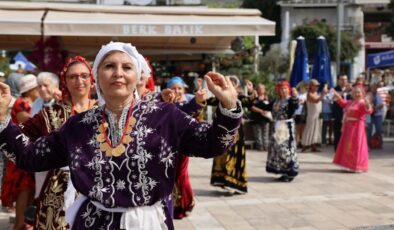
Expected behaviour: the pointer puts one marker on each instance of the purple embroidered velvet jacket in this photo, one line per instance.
(143, 175)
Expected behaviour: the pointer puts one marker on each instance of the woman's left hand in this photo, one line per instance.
(294, 92)
(222, 88)
(249, 86)
(201, 95)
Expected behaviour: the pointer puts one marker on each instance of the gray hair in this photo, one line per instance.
(53, 78)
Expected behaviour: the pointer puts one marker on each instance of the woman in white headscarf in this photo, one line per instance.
(122, 155)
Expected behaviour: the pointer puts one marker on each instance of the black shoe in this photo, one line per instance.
(285, 178)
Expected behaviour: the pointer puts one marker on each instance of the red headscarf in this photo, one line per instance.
(150, 85)
(281, 84)
(79, 59)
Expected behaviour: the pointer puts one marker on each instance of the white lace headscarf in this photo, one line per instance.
(127, 48)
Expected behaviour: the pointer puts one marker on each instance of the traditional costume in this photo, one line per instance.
(352, 150)
(122, 173)
(51, 200)
(282, 155)
(229, 169)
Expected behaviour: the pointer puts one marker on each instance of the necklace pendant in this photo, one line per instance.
(104, 147)
(133, 121)
(100, 138)
(108, 153)
(127, 139)
(129, 128)
(119, 150)
(101, 129)
(105, 125)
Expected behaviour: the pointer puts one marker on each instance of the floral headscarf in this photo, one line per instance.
(281, 84)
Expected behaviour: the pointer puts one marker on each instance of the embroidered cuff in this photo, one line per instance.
(4, 124)
(234, 113)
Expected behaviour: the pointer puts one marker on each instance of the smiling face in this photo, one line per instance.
(117, 76)
(179, 90)
(313, 88)
(78, 80)
(46, 89)
(357, 93)
(284, 92)
(260, 89)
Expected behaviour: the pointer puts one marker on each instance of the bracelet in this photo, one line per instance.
(234, 113)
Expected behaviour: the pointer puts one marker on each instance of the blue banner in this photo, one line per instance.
(381, 59)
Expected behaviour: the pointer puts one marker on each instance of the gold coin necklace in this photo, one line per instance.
(120, 148)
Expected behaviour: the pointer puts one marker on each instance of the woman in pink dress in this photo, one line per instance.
(352, 150)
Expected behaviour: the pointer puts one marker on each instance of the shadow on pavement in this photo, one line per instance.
(309, 170)
(263, 179)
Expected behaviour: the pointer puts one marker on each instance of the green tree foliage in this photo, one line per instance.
(271, 67)
(270, 10)
(5, 65)
(350, 42)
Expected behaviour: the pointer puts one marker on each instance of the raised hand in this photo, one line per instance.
(325, 89)
(222, 88)
(337, 96)
(168, 95)
(57, 94)
(5, 99)
(199, 82)
(201, 95)
(249, 86)
(294, 92)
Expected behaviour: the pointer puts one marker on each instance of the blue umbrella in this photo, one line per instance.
(321, 70)
(300, 70)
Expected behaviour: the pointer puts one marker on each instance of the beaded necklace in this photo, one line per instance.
(110, 148)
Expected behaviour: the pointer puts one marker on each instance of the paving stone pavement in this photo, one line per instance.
(323, 196)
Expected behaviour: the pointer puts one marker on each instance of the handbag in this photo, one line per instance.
(376, 141)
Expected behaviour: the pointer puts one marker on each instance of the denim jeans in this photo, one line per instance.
(377, 123)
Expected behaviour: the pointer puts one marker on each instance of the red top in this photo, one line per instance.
(20, 105)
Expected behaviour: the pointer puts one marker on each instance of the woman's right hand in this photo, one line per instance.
(5, 99)
(168, 95)
(336, 95)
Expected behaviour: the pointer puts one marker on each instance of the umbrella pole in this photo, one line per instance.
(256, 53)
(339, 18)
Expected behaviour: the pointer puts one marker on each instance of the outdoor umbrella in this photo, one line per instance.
(300, 71)
(321, 70)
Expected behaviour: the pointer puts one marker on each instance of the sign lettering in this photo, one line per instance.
(167, 30)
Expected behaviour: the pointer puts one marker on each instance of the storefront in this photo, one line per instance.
(161, 33)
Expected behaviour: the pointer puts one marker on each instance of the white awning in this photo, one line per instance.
(142, 25)
(154, 29)
(20, 22)
(93, 20)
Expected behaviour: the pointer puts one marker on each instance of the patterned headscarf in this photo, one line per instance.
(281, 84)
(63, 87)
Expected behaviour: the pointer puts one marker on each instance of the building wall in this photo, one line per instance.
(352, 20)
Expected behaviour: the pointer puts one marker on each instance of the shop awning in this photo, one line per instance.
(142, 25)
(82, 26)
(20, 22)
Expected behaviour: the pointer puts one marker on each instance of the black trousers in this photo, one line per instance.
(337, 132)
